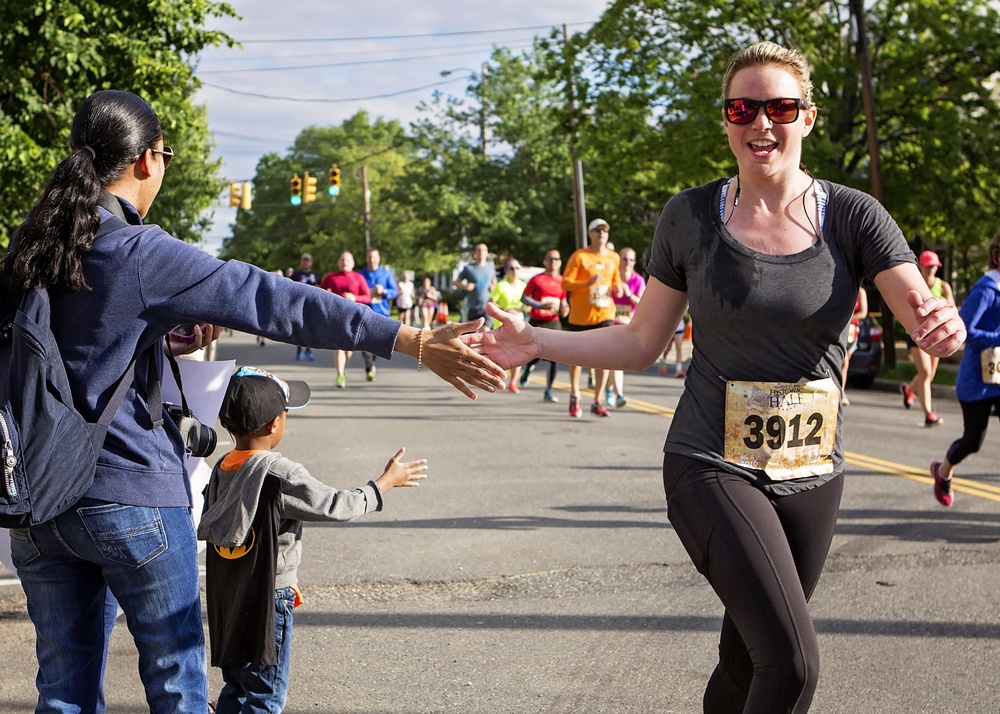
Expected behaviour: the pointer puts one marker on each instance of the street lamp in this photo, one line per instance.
(482, 98)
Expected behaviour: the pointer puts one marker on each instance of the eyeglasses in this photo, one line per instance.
(552, 257)
(167, 153)
(781, 110)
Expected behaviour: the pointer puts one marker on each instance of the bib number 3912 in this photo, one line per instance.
(788, 430)
(991, 365)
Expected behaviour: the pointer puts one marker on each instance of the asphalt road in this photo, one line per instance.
(534, 571)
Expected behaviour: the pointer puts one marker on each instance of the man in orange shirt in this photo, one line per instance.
(591, 278)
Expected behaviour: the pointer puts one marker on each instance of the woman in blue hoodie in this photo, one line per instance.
(117, 287)
(978, 383)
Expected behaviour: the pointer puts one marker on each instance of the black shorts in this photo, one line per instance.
(546, 324)
(583, 328)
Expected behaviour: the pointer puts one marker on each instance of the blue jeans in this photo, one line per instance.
(254, 689)
(74, 567)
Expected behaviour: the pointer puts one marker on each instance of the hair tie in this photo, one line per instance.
(93, 154)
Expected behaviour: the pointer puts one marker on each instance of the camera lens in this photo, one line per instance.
(202, 440)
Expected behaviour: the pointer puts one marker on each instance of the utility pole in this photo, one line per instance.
(874, 163)
(482, 109)
(368, 209)
(579, 207)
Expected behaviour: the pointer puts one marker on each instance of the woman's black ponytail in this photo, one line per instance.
(110, 129)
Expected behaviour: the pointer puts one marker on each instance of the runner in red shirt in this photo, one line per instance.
(547, 300)
(350, 286)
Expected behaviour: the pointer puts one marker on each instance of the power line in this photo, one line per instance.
(402, 37)
(349, 64)
(354, 53)
(325, 100)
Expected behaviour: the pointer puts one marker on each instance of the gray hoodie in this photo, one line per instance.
(231, 502)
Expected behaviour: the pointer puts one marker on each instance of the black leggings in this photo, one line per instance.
(763, 556)
(975, 419)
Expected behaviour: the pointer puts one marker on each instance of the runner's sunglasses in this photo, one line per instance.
(782, 110)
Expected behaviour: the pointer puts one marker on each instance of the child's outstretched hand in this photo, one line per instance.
(402, 473)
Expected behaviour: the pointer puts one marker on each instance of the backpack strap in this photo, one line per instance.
(119, 395)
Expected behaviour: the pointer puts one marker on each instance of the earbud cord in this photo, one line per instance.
(736, 201)
(804, 210)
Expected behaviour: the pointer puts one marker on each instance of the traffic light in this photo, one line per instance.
(296, 198)
(246, 200)
(308, 188)
(334, 189)
(234, 195)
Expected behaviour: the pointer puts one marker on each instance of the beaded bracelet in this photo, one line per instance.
(420, 350)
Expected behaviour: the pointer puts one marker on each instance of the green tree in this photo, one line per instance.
(53, 54)
(518, 199)
(275, 233)
(656, 69)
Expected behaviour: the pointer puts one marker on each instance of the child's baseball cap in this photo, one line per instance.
(255, 397)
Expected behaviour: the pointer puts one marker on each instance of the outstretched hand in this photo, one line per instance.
(942, 331)
(446, 355)
(510, 345)
(406, 474)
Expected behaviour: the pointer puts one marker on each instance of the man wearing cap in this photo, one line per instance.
(305, 274)
(255, 504)
(920, 386)
(591, 278)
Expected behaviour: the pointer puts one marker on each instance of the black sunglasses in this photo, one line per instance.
(167, 153)
(781, 110)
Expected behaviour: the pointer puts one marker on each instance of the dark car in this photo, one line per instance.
(867, 358)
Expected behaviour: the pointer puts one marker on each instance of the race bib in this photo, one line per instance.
(600, 296)
(990, 358)
(623, 312)
(788, 430)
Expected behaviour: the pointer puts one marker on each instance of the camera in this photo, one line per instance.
(199, 439)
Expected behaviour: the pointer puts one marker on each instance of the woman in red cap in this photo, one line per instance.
(920, 386)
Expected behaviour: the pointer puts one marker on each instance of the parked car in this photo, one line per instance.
(866, 362)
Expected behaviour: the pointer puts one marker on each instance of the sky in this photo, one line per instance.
(316, 62)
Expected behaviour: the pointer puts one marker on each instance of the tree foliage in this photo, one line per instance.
(637, 97)
(659, 63)
(54, 53)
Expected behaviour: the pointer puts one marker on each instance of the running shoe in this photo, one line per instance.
(609, 396)
(942, 486)
(298, 356)
(341, 381)
(662, 366)
(621, 402)
(908, 396)
(844, 401)
(599, 410)
(514, 389)
(370, 374)
(679, 374)
(310, 356)
(526, 374)
(574, 406)
(549, 396)
(933, 419)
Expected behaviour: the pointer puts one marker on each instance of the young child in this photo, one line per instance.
(255, 504)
